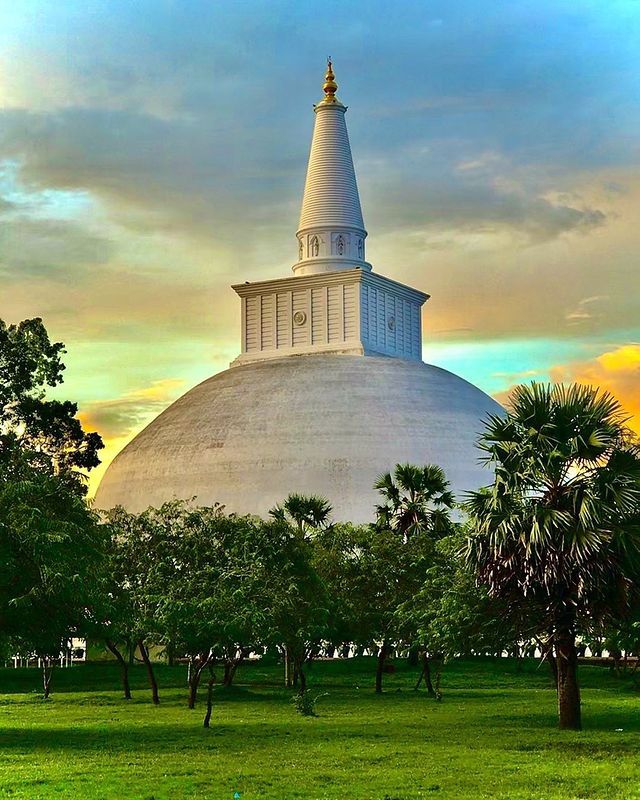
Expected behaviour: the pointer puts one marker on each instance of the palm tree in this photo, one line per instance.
(415, 499)
(305, 513)
(557, 532)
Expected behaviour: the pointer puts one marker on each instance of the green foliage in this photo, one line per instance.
(51, 545)
(416, 499)
(556, 536)
(450, 613)
(42, 433)
(558, 528)
(208, 585)
(305, 513)
(51, 549)
(370, 573)
(305, 702)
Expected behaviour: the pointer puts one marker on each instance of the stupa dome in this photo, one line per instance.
(330, 389)
(315, 424)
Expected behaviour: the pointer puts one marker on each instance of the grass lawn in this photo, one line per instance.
(493, 735)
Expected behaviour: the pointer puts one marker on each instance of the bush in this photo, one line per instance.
(305, 704)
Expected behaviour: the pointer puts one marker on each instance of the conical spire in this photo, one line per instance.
(331, 233)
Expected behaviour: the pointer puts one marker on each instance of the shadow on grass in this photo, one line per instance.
(132, 743)
(618, 721)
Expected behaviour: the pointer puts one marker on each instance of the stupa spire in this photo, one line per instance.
(331, 233)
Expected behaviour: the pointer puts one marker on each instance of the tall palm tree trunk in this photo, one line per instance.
(569, 712)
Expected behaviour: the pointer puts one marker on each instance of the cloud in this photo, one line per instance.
(587, 310)
(62, 251)
(119, 419)
(616, 371)
(444, 192)
(124, 415)
(496, 150)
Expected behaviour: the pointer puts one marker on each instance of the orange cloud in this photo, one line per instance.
(118, 420)
(617, 371)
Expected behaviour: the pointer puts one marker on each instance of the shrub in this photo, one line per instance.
(305, 703)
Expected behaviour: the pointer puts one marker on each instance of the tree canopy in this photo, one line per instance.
(44, 432)
(557, 531)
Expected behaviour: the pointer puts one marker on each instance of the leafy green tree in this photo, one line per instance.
(208, 596)
(336, 557)
(142, 561)
(305, 513)
(451, 615)
(194, 581)
(558, 530)
(289, 586)
(48, 431)
(369, 572)
(112, 617)
(415, 499)
(51, 547)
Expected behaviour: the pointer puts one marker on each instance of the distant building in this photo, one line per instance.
(330, 389)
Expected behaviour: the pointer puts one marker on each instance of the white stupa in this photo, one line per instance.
(330, 389)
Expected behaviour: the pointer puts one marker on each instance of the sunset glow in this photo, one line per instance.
(152, 154)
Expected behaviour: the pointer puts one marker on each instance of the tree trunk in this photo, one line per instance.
(616, 656)
(207, 716)
(194, 683)
(47, 674)
(301, 675)
(425, 675)
(382, 657)
(231, 666)
(569, 714)
(124, 668)
(197, 665)
(144, 654)
(287, 668)
(546, 650)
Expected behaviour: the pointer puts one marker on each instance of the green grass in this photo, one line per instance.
(493, 735)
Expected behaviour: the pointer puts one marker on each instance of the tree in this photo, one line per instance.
(208, 596)
(369, 572)
(336, 559)
(305, 513)
(557, 531)
(289, 587)
(450, 614)
(46, 430)
(112, 617)
(49, 539)
(51, 547)
(194, 582)
(142, 562)
(416, 511)
(415, 499)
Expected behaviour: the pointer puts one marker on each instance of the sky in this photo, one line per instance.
(154, 153)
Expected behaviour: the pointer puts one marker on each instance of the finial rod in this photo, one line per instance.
(330, 86)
